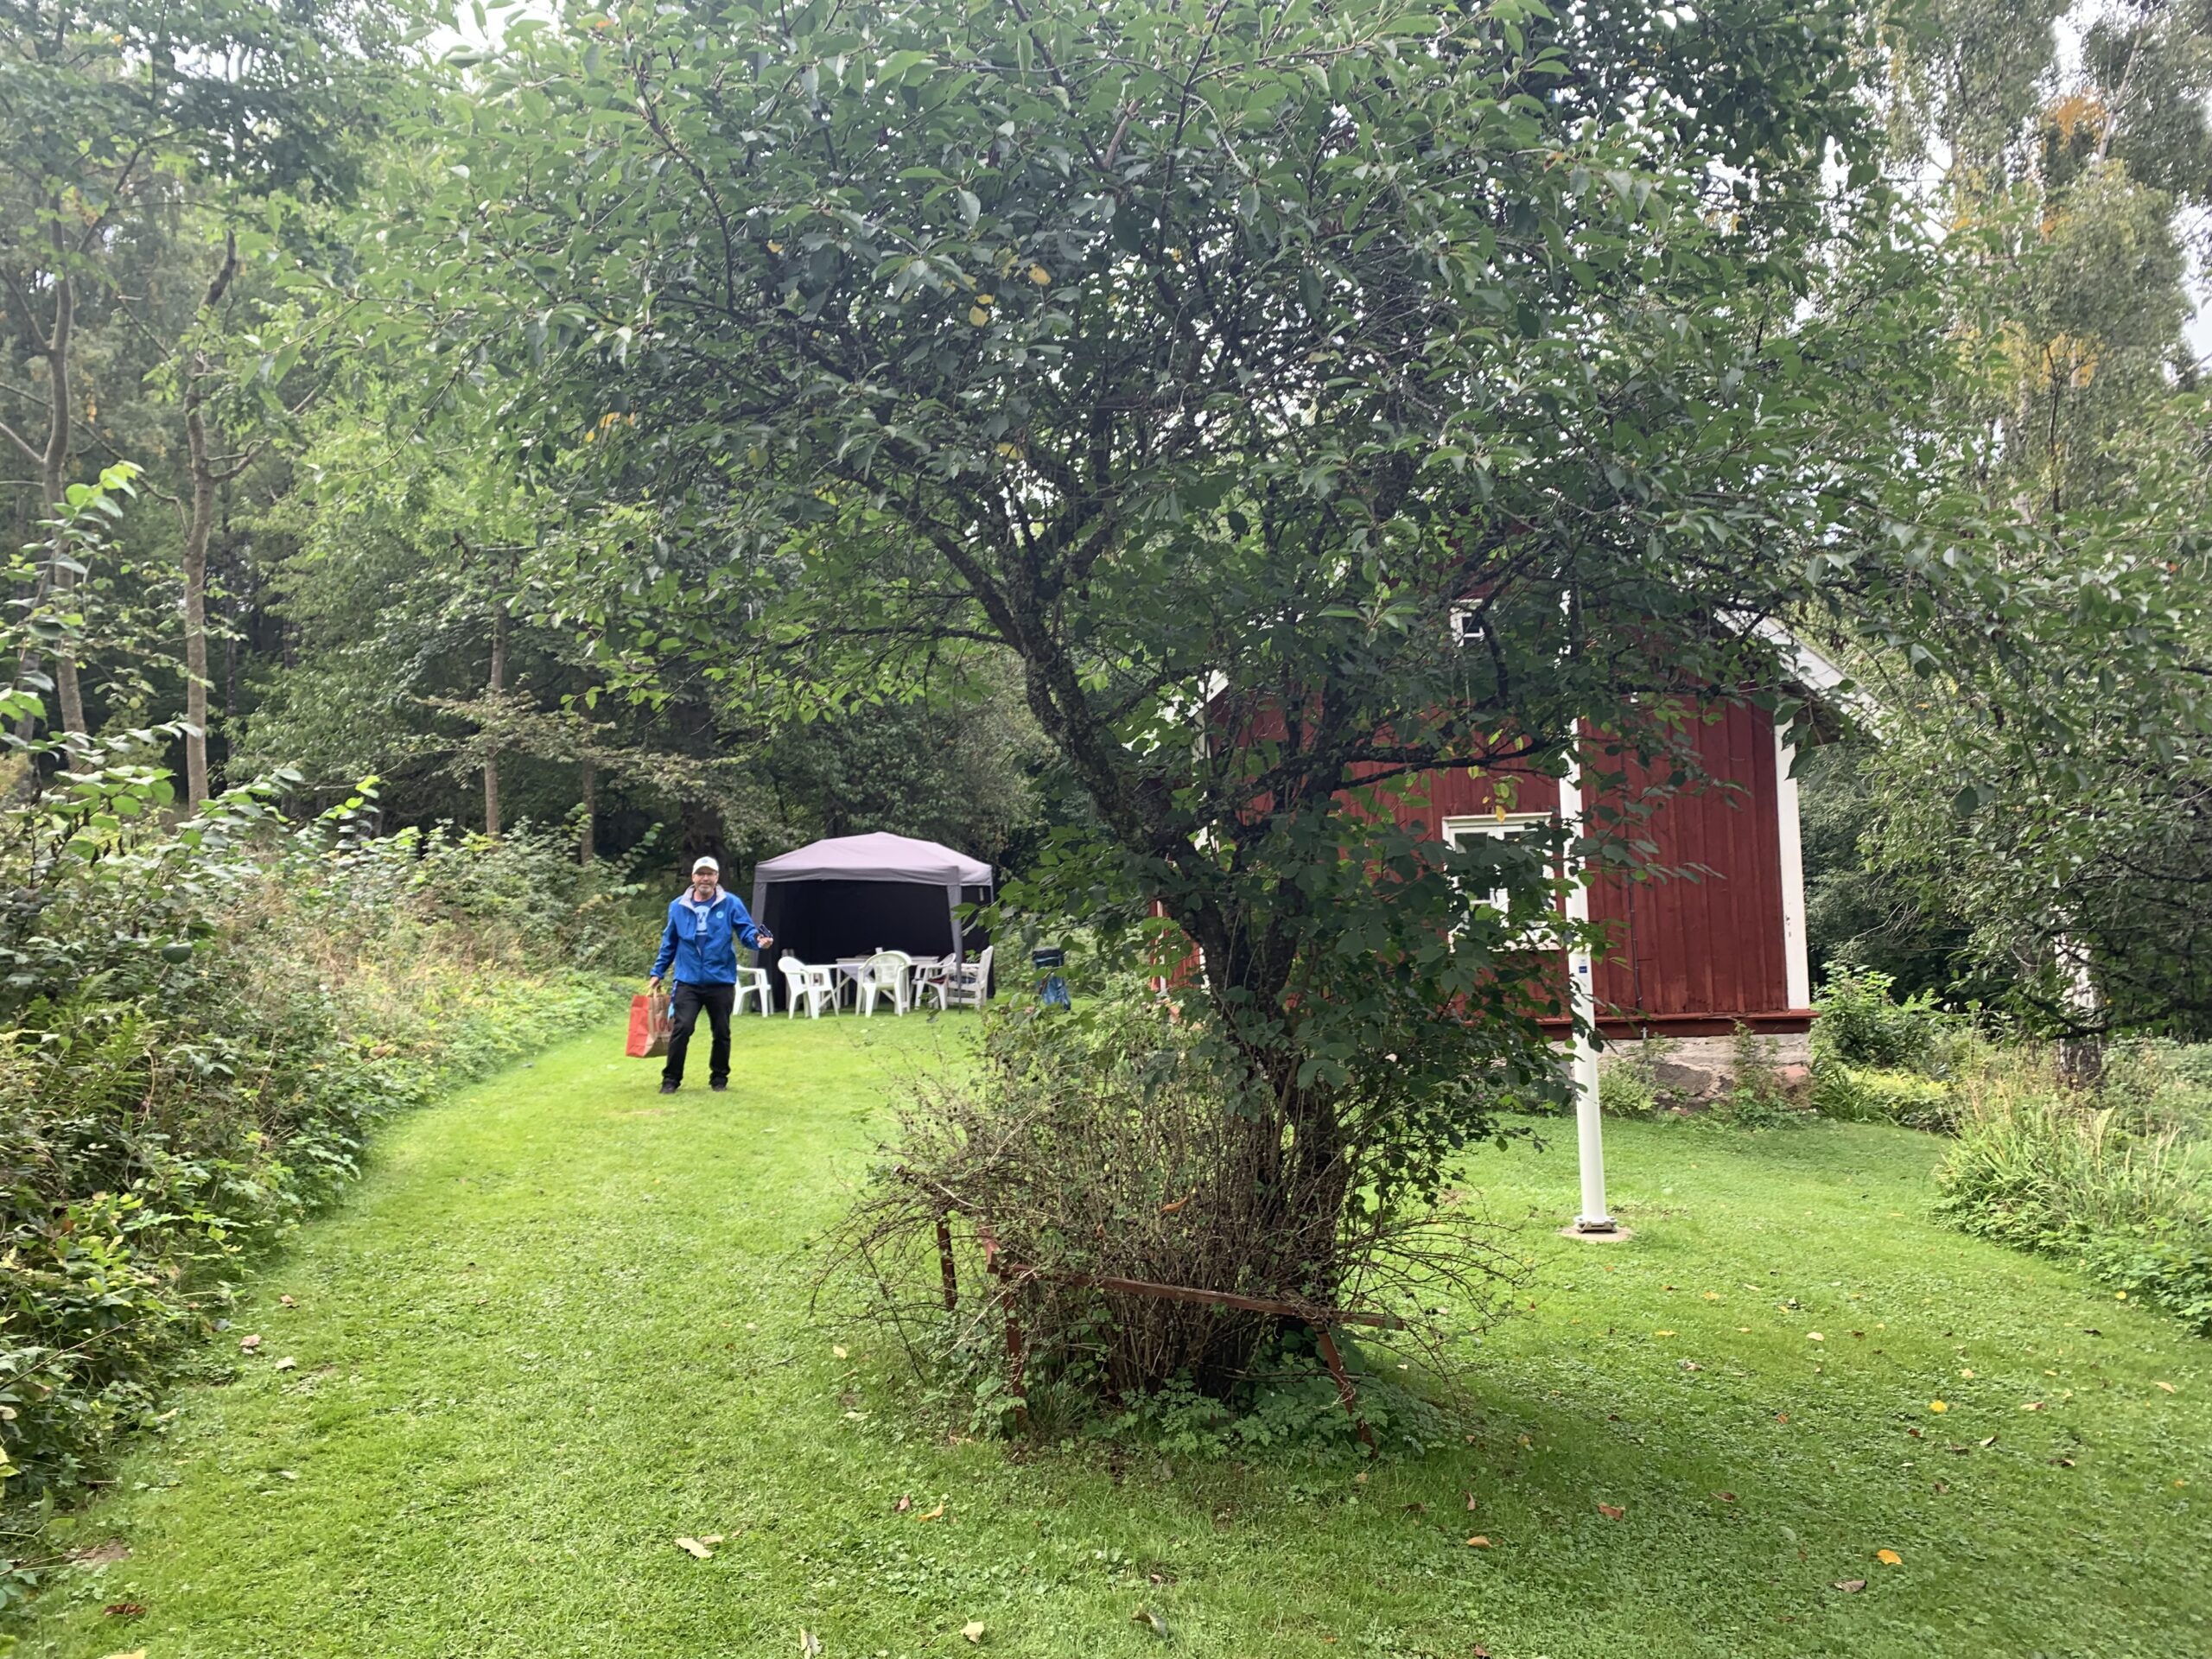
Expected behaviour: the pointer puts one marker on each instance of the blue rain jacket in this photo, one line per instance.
(702, 940)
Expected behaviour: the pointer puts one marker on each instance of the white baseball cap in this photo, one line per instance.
(703, 862)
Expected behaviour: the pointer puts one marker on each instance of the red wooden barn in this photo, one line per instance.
(1695, 955)
(1718, 947)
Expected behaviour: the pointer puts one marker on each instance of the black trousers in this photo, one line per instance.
(684, 1013)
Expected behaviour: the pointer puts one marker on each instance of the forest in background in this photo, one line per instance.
(353, 547)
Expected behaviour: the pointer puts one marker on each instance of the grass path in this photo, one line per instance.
(561, 1323)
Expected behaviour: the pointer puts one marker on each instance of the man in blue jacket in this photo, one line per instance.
(705, 926)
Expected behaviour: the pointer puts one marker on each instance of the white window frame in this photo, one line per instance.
(1539, 932)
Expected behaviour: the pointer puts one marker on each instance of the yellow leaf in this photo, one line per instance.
(837, 1353)
(931, 1515)
(694, 1547)
(775, 247)
(2168, 1387)
(1937, 1404)
(1040, 276)
(1712, 1295)
(1815, 1336)
(1888, 1557)
(1967, 1374)
(2120, 1295)
(977, 315)
(1478, 1541)
(973, 1630)
(135, 1652)
(1662, 1334)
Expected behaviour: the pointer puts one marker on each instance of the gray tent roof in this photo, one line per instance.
(875, 858)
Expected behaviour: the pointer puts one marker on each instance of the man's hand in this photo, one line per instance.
(654, 984)
(767, 941)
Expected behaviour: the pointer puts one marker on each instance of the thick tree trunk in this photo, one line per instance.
(205, 478)
(586, 849)
(499, 684)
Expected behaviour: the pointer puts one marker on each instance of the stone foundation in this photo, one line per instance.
(1699, 1068)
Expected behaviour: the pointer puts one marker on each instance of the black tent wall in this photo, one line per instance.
(821, 921)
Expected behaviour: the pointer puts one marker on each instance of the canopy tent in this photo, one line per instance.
(851, 896)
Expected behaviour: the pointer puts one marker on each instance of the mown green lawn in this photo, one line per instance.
(564, 1322)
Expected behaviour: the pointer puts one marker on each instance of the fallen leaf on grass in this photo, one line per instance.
(809, 1644)
(1478, 1541)
(902, 1505)
(1470, 1503)
(287, 1301)
(1815, 1336)
(247, 1344)
(2032, 1405)
(1725, 1498)
(1889, 1557)
(973, 1630)
(1152, 1621)
(2168, 1387)
(1991, 1440)
(2064, 1463)
(285, 1363)
(931, 1515)
(1662, 1334)
(135, 1652)
(1939, 1405)
(125, 1610)
(698, 1547)
(1851, 1586)
(1781, 1416)
(836, 1353)
(1611, 1511)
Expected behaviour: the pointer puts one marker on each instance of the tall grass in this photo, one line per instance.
(2114, 1177)
(197, 1033)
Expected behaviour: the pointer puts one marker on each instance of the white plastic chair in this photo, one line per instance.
(963, 984)
(804, 983)
(920, 975)
(884, 975)
(752, 982)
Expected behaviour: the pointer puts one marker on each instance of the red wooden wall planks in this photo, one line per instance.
(1694, 951)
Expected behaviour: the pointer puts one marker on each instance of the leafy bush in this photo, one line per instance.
(1861, 1023)
(1111, 1145)
(1758, 1098)
(1875, 1095)
(1626, 1086)
(200, 1023)
(2107, 1177)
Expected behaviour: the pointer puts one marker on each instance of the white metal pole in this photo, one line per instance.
(1589, 1121)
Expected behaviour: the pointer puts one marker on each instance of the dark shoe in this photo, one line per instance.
(719, 1085)
(668, 1088)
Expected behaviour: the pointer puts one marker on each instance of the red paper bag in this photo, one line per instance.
(648, 1025)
